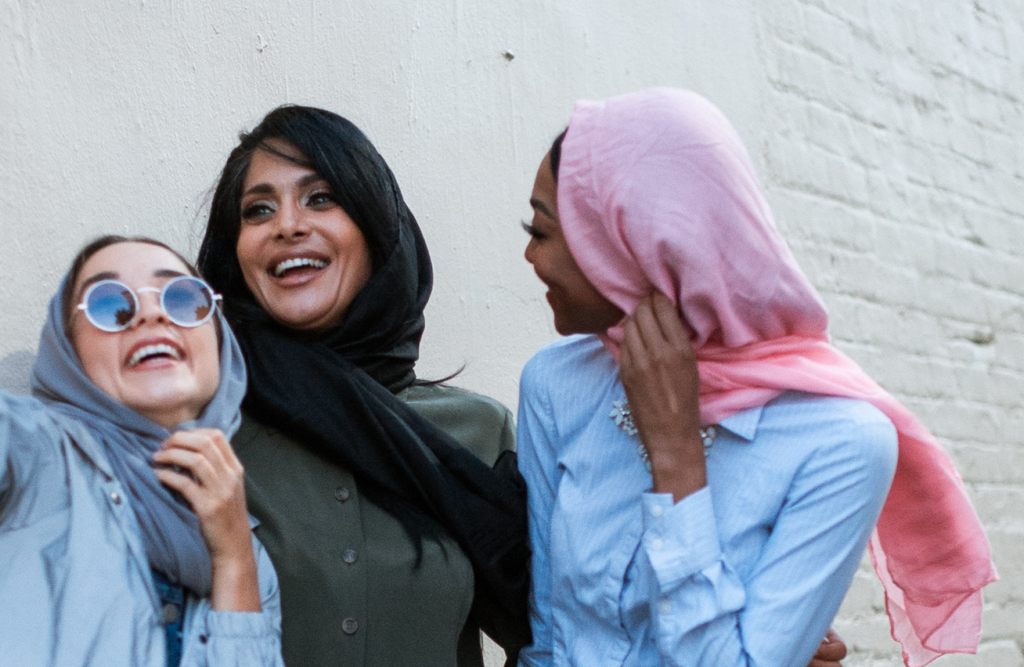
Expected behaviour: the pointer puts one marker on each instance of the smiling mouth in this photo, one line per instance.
(280, 269)
(149, 352)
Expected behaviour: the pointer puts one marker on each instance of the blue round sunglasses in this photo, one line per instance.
(112, 306)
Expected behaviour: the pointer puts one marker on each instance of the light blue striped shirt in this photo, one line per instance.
(747, 571)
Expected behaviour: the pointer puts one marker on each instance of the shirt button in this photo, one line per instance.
(115, 497)
(349, 626)
(341, 494)
(657, 544)
(170, 613)
(349, 556)
(665, 607)
(657, 511)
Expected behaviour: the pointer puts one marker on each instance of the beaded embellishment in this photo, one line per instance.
(623, 418)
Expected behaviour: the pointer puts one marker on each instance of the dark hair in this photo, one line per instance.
(357, 176)
(556, 153)
(68, 295)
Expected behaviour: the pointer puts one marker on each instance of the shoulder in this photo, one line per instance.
(445, 397)
(24, 412)
(25, 420)
(837, 430)
(567, 388)
(478, 422)
(583, 357)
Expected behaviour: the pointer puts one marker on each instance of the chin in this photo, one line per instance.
(565, 328)
(165, 404)
(304, 320)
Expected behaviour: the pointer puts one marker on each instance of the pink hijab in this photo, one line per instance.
(655, 191)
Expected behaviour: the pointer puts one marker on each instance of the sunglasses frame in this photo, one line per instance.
(84, 305)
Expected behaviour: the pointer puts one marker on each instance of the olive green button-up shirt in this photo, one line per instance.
(350, 595)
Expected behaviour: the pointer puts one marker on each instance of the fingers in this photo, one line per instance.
(211, 479)
(182, 483)
(204, 452)
(647, 327)
(669, 322)
(656, 323)
(207, 457)
(832, 649)
(642, 337)
(633, 354)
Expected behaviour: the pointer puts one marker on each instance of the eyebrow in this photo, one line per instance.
(102, 275)
(540, 206)
(267, 188)
(168, 273)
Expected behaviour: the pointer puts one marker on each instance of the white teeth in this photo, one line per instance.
(151, 350)
(298, 261)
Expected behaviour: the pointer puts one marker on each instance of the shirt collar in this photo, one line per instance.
(743, 423)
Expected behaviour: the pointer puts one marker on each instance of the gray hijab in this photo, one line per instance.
(170, 529)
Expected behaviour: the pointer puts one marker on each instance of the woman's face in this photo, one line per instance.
(302, 257)
(164, 372)
(577, 305)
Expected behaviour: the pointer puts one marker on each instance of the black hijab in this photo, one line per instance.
(335, 392)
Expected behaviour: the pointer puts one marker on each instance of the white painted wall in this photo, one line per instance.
(888, 135)
(117, 116)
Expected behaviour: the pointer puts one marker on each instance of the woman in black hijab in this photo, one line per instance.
(387, 532)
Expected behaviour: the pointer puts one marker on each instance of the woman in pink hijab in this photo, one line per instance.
(704, 468)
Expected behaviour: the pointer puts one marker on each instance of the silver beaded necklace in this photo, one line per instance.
(623, 418)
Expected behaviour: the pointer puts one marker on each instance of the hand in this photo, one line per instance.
(659, 373)
(831, 651)
(212, 481)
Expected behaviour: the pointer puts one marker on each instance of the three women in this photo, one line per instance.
(389, 535)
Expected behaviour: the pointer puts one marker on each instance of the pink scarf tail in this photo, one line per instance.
(929, 548)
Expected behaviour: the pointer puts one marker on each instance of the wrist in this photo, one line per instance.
(235, 583)
(231, 564)
(677, 475)
(678, 465)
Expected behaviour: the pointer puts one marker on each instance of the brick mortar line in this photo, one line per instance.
(985, 289)
(897, 223)
(865, 123)
(957, 196)
(937, 68)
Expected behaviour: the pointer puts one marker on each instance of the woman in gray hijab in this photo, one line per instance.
(124, 538)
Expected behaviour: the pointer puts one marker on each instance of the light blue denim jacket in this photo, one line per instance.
(75, 584)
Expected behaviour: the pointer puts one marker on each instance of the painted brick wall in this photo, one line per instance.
(895, 165)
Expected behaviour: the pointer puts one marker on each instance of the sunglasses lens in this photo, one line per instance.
(188, 302)
(110, 306)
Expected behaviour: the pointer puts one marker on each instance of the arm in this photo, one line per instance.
(237, 639)
(214, 487)
(830, 652)
(7, 435)
(701, 607)
(240, 623)
(538, 465)
(705, 613)
(29, 444)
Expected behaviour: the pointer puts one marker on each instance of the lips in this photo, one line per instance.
(154, 349)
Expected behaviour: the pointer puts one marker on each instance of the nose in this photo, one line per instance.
(150, 310)
(291, 222)
(530, 253)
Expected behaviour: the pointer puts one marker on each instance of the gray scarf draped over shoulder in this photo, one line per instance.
(170, 529)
